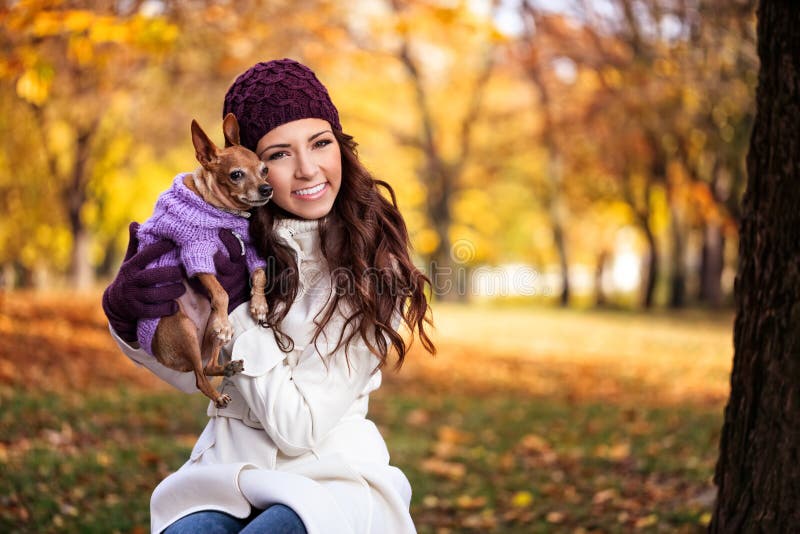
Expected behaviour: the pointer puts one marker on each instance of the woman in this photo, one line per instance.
(293, 451)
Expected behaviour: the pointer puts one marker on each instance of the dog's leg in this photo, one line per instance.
(219, 330)
(177, 346)
(258, 301)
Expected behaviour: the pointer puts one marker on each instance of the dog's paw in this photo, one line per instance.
(234, 367)
(222, 329)
(258, 310)
(223, 401)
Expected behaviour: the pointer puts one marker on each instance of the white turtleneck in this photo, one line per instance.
(314, 290)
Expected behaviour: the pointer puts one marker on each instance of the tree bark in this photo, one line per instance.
(712, 262)
(758, 472)
(600, 299)
(641, 212)
(75, 196)
(651, 268)
(557, 220)
(677, 275)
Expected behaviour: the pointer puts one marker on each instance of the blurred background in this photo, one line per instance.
(570, 172)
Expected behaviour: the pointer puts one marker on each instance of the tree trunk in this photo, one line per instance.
(758, 472)
(651, 268)
(557, 216)
(600, 299)
(712, 262)
(677, 277)
(82, 274)
(75, 198)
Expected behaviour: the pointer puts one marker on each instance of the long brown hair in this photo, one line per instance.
(365, 242)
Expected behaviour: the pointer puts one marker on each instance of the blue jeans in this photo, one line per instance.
(277, 519)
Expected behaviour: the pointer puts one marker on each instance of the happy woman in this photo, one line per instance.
(293, 451)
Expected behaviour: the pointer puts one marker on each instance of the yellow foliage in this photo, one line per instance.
(665, 67)
(474, 207)
(81, 50)
(78, 20)
(47, 23)
(659, 217)
(60, 136)
(690, 99)
(34, 85)
(153, 34)
(425, 241)
(109, 30)
(612, 77)
(464, 244)
(47, 241)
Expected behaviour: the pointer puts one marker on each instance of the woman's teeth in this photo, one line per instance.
(310, 190)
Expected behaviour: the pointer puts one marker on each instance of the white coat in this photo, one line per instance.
(296, 430)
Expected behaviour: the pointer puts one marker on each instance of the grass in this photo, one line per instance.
(528, 420)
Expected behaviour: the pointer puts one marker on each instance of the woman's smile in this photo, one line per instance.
(311, 193)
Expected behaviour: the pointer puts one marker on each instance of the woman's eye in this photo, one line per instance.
(237, 175)
(322, 143)
(277, 155)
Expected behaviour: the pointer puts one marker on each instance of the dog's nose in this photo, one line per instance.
(265, 190)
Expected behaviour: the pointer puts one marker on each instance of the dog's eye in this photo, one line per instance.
(264, 170)
(237, 175)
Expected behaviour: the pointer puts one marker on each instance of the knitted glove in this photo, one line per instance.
(139, 293)
(232, 271)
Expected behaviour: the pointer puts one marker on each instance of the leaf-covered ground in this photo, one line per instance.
(528, 420)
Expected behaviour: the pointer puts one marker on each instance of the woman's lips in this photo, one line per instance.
(311, 193)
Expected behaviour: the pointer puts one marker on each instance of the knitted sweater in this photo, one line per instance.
(193, 224)
(182, 216)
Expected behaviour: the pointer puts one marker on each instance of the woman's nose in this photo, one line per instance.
(306, 165)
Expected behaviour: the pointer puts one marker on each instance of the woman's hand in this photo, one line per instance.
(232, 272)
(139, 293)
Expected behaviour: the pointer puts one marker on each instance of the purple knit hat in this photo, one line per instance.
(275, 92)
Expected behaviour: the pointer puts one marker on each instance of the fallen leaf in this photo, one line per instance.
(522, 499)
(646, 521)
(451, 470)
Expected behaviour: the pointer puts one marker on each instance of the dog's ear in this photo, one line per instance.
(230, 127)
(205, 149)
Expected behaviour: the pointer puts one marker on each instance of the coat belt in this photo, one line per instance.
(237, 408)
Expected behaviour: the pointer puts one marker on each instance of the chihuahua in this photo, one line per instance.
(234, 180)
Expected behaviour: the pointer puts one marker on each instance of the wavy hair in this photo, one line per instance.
(365, 242)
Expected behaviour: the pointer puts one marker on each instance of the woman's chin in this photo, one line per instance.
(310, 211)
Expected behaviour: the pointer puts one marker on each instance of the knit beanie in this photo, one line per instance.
(275, 92)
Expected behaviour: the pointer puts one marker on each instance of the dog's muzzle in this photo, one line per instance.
(265, 190)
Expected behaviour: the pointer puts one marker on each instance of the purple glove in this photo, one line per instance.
(232, 272)
(139, 293)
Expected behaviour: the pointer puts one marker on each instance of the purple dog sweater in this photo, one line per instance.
(183, 217)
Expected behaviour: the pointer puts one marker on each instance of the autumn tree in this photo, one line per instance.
(717, 71)
(67, 64)
(447, 87)
(758, 473)
(97, 98)
(538, 64)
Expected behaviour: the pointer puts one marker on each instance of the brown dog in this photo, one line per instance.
(232, 179)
